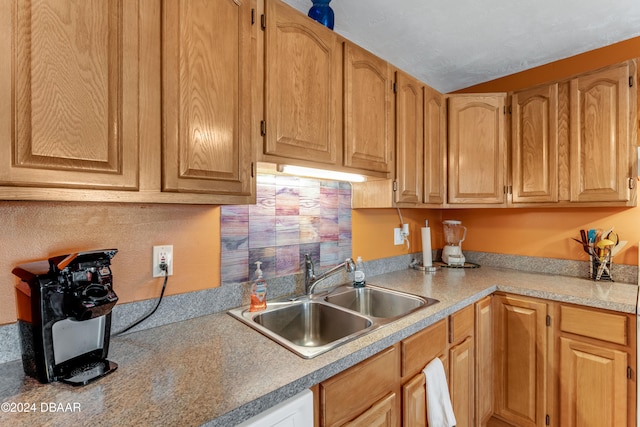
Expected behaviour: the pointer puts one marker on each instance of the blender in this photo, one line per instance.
(454, 235)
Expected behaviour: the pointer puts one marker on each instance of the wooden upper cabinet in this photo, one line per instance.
(534, 139)
(206, 65)
(303, 90)
(70, 94)
(368, 112)
(409, 139)
(603, 125)
(435, 147)
(477, 149)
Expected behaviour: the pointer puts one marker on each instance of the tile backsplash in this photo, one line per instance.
(292, 216)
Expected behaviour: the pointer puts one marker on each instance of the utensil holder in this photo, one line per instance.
(600, 269)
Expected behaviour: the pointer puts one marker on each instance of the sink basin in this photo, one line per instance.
(312, 325)
(306, 327)
(378, 302)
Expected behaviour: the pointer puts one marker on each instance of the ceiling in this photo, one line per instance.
(452, 45)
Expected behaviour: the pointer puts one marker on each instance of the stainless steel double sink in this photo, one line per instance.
(312, 325)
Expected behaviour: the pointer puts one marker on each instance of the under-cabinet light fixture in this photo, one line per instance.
(321, 173)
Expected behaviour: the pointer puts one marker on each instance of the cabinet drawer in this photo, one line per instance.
(356, 389)
(422, 347)
(603, 326)
(461, 324)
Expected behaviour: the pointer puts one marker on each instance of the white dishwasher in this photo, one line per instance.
(296, 411)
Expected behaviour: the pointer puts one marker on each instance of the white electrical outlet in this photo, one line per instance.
(162, 254)
(397, 236)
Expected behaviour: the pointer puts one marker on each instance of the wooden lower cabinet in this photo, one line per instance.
(363, 391)
(509, 360)
(562, 365)
(382, 414)
(596, 365)
(414, 402)
(417, 351)
(461, 382)
(462, 365)
(484, 361)
(593, 385)
(521, 360)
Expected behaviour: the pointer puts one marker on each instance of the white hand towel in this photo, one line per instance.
(439, 409)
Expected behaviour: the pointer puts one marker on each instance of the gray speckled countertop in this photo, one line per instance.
(214, 370)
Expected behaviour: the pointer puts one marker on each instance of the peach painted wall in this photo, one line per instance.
(37, 230)
(372, 231)
(530, 232)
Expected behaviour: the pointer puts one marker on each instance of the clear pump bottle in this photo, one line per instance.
(358, 277)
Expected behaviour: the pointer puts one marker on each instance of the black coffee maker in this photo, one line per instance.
(64, 316)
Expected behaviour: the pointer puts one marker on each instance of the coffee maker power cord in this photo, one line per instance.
(137, 322)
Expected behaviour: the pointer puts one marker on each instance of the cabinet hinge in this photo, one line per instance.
(506, 189)
(253, 16)
(395, 185)
(547, 420)
(252, 175)
(510, 110)
(548, 320)
(263, 22)
(394, 86)
(630, 81)
(263, 128)
(629, 372)
(632, 183)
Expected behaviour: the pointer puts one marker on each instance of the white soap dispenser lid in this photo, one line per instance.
(258, 270)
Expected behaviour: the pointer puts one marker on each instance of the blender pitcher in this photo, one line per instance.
(454, 235)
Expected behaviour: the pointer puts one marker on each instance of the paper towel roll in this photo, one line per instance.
(426, 247)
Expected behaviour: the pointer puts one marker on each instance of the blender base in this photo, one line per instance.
(465, 265)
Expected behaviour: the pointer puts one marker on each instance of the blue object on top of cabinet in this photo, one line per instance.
(322, 12)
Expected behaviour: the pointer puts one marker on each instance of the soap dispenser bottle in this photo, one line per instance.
(258, 291)
(358, 277)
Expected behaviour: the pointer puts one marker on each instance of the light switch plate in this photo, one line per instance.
(397, 236)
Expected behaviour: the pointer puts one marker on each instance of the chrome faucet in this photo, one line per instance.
(310, 279)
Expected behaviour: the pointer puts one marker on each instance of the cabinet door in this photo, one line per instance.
(534, 139)
(381, 414)
(422, 347)
(603, 120)
(520, 350)
(409, 139)
(70, 85)
(368, 112)
(435, 147)
(350, 393)
(477, 149)
(206, 96)
(302, 87)
(593, 385)
(414, 402)
(461, 382)
(484, 361)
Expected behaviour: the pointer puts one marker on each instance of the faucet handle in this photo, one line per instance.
(350, 265)
(307, 261)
